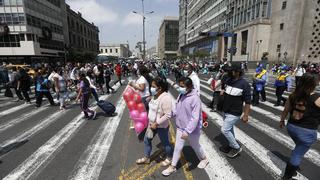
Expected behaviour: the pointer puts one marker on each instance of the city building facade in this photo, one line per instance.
(118, 50)
(168, 43)
(295, 31)
(249, 29)
(44, 31)
(83, 36)
(36, 29)
(198, 17)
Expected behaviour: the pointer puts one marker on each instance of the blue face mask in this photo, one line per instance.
(153, 91)
(182, 90)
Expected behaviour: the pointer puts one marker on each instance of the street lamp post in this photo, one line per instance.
(143, 28)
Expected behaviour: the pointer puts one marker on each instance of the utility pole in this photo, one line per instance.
(144, 32)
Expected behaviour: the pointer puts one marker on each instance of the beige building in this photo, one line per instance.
(168, 44)
(118, 50)
(295, 31)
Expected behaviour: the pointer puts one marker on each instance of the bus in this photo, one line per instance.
(105, 58)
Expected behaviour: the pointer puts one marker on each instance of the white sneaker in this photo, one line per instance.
(203, 164)
(169, 171)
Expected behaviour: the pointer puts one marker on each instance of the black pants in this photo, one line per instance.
(279, 92)
(255, 95)
(18, 93)
(119, 80)
(297, 80)
(213, 104)
(25, 95)
(108, 79)
(39, 96)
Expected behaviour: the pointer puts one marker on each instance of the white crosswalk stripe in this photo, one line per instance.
(96, 154)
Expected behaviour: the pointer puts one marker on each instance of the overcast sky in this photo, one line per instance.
(118, 24)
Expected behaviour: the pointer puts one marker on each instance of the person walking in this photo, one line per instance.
(159, 116)
(60, 87)
(93, 88)
(23, 84)
(42, 87)
(100, 78)
(304, 109)
(215, 86)
(189, 72)
(143, 85)
(236, 91)
(282, 83)
(259, 82)
(84, 96)
(188, 118)
(107, 76)
(118, 71)
(299, 71)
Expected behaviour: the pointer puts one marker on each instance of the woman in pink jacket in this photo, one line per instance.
(188, 117)
(159, 116)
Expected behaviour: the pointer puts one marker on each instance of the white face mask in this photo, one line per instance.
(153, 91)
(182, 90)
(185, 72)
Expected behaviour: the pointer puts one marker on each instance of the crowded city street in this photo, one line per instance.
(159, 89)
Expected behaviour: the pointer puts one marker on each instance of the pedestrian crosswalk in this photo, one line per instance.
(97, 147)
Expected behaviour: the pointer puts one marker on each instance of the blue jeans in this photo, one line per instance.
(303, 138)
(95, 95)
(227, 129)
(163, 134)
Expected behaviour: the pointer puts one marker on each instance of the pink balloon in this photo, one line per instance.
(140, 107)
(143, 115)
(134, 114)
(127, 96)
(132, 105)
(137, 98)
(129, 90)
(139, 127)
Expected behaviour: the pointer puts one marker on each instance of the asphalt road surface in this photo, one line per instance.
(48, 144)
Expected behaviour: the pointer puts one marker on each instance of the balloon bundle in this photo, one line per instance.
(138, 113)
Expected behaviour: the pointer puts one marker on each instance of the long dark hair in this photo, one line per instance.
(161, 84)
(305, 87)
(84, 79)
(144, 71)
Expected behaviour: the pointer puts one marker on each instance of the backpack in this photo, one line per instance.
(298, 109)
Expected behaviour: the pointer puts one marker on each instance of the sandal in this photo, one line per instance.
(143, 160)
(165, 163)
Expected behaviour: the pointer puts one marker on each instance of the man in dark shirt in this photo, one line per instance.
(236, 91)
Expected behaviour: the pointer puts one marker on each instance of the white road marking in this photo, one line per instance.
(270, 162)
(218, 167)
(273, 116)
(21, 118)
(46, 152)
(14, 109)
(35, 129)
(92, 160)
(276, 135)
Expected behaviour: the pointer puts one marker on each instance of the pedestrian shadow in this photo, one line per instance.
(280, 156)
(103, 114)
(190, 157)
(15, 145)
(221, 140)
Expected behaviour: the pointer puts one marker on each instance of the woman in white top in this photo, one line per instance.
(142, 85)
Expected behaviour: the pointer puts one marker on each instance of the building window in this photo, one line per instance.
(278, 47)
(281, 26)
(110, 51)
(244, 36)
(106, 50)
(284, 5)
(116, 50)
(12, 40)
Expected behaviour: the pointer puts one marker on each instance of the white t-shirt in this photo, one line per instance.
(195, 81)
(146, 92)
(300, 71)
